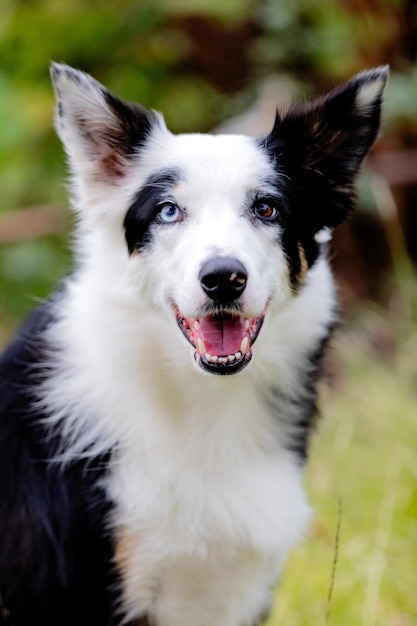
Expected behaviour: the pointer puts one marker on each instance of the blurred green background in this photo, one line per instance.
(208, 63)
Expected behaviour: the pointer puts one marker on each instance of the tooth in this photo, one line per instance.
(201, 346)
(208, 356)
(223, 359)
(231, 358)
(196, 325)
(244, 345)
(238, 355)
(247, 324)
(214, 358)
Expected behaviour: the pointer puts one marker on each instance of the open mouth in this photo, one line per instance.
(222, 341)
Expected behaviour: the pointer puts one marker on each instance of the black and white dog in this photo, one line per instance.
(156, 411)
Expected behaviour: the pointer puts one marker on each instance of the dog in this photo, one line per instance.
(156, 410)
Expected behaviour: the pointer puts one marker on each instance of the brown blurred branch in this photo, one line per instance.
(28, 223)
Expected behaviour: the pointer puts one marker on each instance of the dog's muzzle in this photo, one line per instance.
(223, 339)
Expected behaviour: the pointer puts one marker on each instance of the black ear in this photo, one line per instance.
(100, 132)
(319, 147)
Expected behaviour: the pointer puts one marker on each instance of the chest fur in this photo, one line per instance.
(204, 518)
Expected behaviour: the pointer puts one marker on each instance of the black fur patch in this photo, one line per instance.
(142, 212)
(135, 124)
(55, 556)
(317, 148)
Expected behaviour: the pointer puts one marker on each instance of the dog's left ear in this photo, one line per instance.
(101, 133)
(320, 146)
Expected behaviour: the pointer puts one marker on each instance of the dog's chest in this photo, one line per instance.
(203, 522)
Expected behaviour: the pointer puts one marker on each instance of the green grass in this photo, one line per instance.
(362, 478)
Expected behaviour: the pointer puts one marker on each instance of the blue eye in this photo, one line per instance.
(169, 213)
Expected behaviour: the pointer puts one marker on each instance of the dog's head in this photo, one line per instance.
(214, 230)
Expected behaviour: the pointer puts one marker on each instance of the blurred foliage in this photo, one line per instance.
(198, 61)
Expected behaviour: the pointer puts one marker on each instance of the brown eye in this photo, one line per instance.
(265, 211)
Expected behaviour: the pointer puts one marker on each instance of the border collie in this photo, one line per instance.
(156, 410)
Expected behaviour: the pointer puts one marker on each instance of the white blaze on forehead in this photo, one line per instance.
(218, 162)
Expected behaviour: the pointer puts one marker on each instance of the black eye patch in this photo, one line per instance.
(144, 208)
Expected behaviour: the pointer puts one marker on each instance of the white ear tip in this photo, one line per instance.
(379, 73)
(63, 76)
(59, 71)
(372, 83)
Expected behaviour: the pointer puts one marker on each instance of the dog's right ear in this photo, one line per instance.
(101, 133)
(320, 146)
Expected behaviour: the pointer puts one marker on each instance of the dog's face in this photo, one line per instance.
(205, 227)
(216, 230)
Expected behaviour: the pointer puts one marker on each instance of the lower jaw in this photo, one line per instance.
(223, 369)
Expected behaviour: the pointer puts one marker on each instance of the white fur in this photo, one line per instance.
(207, 498)
(371, 89)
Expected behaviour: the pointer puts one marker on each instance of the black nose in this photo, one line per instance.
(223, 278)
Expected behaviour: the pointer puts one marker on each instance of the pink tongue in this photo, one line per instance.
(222, 335)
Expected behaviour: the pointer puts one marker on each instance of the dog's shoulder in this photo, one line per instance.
(51, 515)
